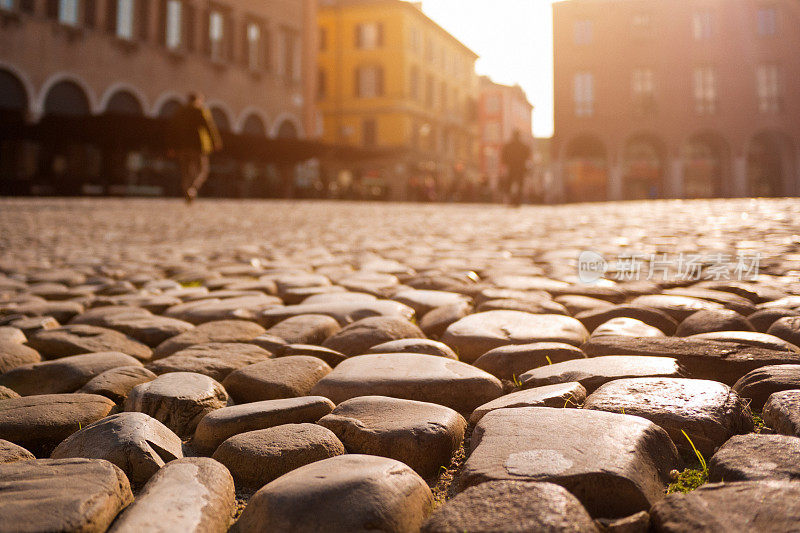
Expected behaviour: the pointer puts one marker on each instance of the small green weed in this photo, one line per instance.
(191, 284)
(515, 379)
(690, 478)
(758, 424)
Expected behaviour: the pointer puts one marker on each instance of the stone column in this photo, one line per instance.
(615, 175)
(790, 166)
(738, 187)
(557, 188)
(674, 185)
(795, 189)
(310, 47)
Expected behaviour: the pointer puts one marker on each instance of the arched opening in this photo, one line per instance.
(287, 130)
(169, 108)
(769, 164)
(253, 125)
(17, 157)
(124, 103)
(706, 157)
(221, 119)
(253, 175)
(67, 98)
(586, 170)
(643, 168)
(13, 96)
(70, 167)
(123, 170)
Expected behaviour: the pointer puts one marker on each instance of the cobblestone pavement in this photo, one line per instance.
(345, 366)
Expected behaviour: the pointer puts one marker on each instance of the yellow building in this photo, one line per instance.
(390, 77)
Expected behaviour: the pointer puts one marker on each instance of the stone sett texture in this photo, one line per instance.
(393, 308)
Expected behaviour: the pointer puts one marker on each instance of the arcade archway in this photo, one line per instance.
(643, 168)
(586, 170)
(706, 159)
(770, 167)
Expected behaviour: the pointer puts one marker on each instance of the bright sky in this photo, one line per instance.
(515, 41)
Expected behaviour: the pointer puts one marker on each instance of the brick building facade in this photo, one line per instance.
(676, 99)
(390, 77)
(255, 61)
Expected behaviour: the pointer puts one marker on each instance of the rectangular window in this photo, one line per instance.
(413, 81)
(643, 90)
(125, 19)
(583, 32)
(767, 20)
(769, 88)
(583, 94)
(369, 82)
(289, 55)
(491, 133)
(493, 104)
(429, 91)
(703, 25)
(705, 90)
(68, 12)
(173, 25)
(641, 21)
(7, 5)
(323, 39)
(293, 51)
(322, 84)
(369, 131)
(416, 40)
(216, 35)
(254, 46)
(369, 36)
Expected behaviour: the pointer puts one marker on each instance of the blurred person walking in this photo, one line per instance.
(515, 157)
(195, 137)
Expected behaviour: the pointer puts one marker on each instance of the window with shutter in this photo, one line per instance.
(111, 16)
(162, 22)
(230, 34)
(369, 82)
(189, 26)
(322, 84)
(369, 35)
(204, 35)
(52, 9)
(143, 17)
(266, 43)
(297, 58)
(89, 13)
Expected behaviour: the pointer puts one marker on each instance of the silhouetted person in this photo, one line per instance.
(195, 136)
(515, 157)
